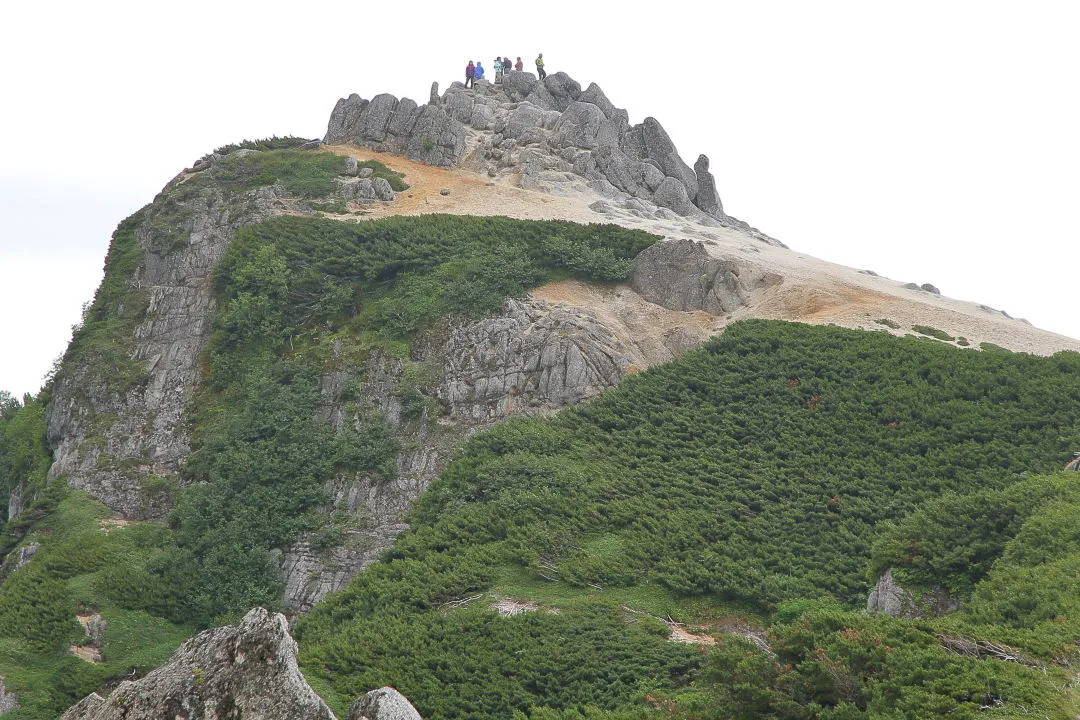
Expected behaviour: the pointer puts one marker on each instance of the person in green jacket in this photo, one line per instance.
(540, 66)
(498, 69)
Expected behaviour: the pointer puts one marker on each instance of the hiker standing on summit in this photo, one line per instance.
(540, 66)
(519, 66)
(470, 73)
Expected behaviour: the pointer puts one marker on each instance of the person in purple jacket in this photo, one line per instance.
(470, 73)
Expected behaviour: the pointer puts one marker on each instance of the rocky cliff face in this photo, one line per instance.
(554, 135)
(244, 671)
(108, 441)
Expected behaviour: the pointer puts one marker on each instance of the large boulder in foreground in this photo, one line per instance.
(243, 671)
(386, 703)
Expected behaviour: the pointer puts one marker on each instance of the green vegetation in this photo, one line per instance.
(24, 453)
(764, 480)
(289, 289)
(395, 276)
(888, 323)
(39, 603)
(748, 474)
(105, 339)
(271, 143)
(933, 332)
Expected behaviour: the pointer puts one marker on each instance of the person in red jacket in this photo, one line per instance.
(518, 65)
(470, 73)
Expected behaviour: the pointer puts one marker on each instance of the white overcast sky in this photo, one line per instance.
(929, 141)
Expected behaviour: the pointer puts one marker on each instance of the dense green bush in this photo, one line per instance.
(271, 143)
(395, 275)
(69, 574)
(24, 452)
(754, 471)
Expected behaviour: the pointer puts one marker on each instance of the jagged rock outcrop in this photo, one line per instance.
(551, 132)
(707, 198)
(386, 703)
(532, 359)
(682, 275)
(243, 671)
(18, 558)
(888, 598)
(108, 440)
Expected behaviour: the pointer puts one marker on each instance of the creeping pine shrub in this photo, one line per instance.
(715, 478)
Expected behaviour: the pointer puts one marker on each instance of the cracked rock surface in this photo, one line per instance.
(243, 671)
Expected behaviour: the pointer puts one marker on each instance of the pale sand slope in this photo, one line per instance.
(813, 291)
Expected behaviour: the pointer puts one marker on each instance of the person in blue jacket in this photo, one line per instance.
(479, 74)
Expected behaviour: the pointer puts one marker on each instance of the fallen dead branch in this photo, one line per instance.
(980, 649)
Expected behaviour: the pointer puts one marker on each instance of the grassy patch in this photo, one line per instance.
(38, 604)
(933, 332)
(888, 323)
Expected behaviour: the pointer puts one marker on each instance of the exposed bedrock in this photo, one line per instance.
(533, 358)
(569, 132)
(682, 275)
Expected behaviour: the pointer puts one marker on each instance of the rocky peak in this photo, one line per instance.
(551, 133)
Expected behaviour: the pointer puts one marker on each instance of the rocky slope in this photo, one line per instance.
(524, 149)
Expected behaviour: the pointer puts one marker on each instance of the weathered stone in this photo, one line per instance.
(437, 139)
(889, 598)
(444, 191)
(620, 170)
(578, 126)
(682, 275)
(386, 703)
(672, 194)
(247, 670)
(375, 118)
(595, 96)
(96, 626)
(459, 105)
(482, 117)
(651, 177)
(344, 119)
(659, 147)
(310, 145)
(525, 116)
(707, 200)
(433, 96)
(382, 189)
(15, 504)
(19, 558)
(929, 288)
(563, 88)
(402, 121)
(352, 166)
(360, 189)
(519, 85)
(365, 172)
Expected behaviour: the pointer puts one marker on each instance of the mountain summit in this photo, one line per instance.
(297, 338)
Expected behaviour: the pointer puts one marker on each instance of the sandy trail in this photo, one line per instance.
(813, 290)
